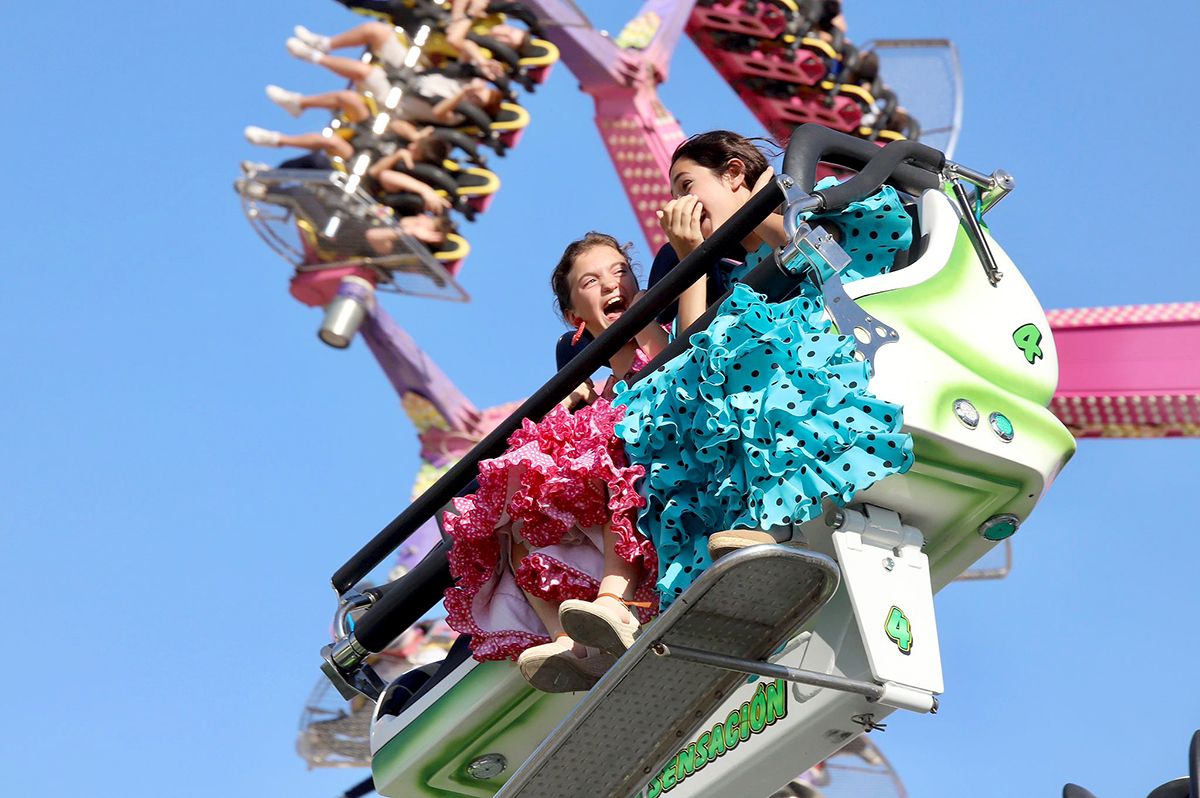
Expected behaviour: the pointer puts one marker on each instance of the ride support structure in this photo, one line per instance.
(1121, 367)
(1131, 371)
(638, 131)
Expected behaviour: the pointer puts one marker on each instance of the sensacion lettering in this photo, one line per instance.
(768, 705)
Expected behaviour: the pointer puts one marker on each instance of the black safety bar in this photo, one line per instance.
(456, 138)
(908, 165)
(364, 787)
(559, 386)
(518, 11)
(401, 603)
(500, 52)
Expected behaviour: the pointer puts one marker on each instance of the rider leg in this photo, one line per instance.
(348, 102)
(620, 578)
(546, 612)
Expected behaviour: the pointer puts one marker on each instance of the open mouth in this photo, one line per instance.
(614, 307)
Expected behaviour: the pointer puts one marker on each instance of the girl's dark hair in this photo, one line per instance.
(434, 151)
(713, 149)
(558, 278)
(829, 12)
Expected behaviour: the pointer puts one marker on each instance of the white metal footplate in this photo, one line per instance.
(887, 579)
(627, 727)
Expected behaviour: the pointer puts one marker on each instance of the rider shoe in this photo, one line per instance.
(262, 137)
(304, 51)
(593, 624)
(722, 543)
(250, 188)
(554, 669)
(313, 40)
(287, 100)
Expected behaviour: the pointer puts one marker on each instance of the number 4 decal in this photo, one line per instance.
(898, 630)
(1027, 338)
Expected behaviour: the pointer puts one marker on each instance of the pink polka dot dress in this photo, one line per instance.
(560, 484)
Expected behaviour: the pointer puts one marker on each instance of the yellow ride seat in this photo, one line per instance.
(473, 181)
(455, 248)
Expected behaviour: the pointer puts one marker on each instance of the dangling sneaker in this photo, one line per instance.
(250, 188)
(303, 51)
(313, 40)
(287, 100)
(262, 137)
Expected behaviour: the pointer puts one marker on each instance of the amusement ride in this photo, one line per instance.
(778, 660)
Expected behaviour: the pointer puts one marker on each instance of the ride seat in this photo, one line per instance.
(406, 689)
(537, 57)
(452, 252)
(508, 124)
(775, 63)
(845, 114)
(765, 21)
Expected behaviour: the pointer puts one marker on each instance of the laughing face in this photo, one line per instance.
(602, 287)
(720, 194)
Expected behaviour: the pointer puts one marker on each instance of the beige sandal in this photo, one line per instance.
(592, 625)
(552, 669)
(722, 543)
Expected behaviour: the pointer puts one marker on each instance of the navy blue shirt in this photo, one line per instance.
(664, 261)
(718, 276)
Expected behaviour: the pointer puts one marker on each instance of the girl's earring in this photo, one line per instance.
(579, 333)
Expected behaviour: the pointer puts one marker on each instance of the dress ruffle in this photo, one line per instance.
(554, 581)
(766, 415)
(873, 229)
(560, 483)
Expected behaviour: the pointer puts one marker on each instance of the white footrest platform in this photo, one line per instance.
(746, 605)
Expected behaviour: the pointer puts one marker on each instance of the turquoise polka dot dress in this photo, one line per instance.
(766, 415)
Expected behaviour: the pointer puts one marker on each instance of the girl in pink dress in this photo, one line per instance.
(554, 519)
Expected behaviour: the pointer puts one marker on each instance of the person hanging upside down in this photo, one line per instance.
(350, 104)
(768, 414)
(463, 14)
(419, 144)
(377, 37)
(421, 148)
(428, 96)
(551, 528)
(429, 229)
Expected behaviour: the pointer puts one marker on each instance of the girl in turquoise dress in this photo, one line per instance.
(768, 414)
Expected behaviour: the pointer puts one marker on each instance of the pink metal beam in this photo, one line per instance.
(637, 130)
(1130, 371)
(1125, 372)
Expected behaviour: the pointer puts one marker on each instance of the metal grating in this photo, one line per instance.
(635, 718)
(323, 220)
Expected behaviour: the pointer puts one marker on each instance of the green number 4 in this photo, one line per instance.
(899, 630)
(1027, 338)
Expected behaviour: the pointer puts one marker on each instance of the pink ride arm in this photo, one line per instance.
(1130, 371)
(639, 133)
(801, 67)
(409, 369)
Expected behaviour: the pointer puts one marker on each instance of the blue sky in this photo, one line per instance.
(184, 465)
